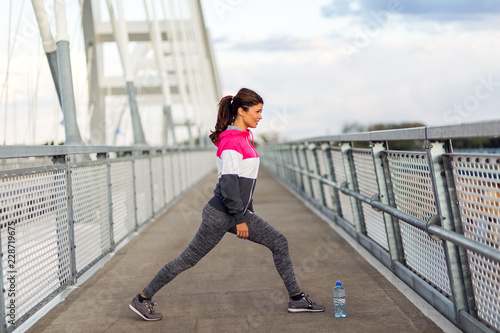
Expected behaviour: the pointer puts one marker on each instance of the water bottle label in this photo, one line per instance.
(340, 309)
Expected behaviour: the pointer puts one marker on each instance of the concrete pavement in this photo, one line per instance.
(236, 288)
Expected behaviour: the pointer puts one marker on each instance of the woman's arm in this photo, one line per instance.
(229, 184)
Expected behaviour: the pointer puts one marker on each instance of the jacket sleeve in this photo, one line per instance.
(229, 183)
(250, 206)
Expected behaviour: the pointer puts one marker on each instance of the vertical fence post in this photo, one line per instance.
(110, 199)
(384, 186)
(352, 183)
(337, 208)
(71, 221)
(435, 151)
(455, 211)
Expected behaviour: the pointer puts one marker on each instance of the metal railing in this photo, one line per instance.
(63, 208)
(431, 216)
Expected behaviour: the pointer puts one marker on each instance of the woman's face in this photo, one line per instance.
(252, 117)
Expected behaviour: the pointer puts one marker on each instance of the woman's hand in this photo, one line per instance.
(242, 230)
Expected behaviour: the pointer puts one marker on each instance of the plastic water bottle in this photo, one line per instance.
(339, 301)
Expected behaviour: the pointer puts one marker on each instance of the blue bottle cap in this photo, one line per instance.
(338, 283)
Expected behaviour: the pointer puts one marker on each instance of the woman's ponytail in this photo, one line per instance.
(225, 117)
(228, 109)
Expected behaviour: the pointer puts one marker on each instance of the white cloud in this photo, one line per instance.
(410, 69)
(438, 10)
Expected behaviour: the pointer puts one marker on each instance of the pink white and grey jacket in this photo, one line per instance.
(237, 166)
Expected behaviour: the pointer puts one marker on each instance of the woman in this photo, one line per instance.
(231, 207)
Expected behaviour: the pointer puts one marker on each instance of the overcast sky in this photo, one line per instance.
(320, 64)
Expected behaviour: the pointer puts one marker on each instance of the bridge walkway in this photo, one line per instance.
(236, 288)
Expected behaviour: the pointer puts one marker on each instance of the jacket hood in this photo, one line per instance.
(234, 133)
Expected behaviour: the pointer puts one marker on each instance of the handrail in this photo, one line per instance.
(454, 251)
(479, 129)
(436, 230)
(40, 151)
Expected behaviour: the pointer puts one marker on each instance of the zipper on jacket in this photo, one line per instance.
(253, 180)
(253, 148)
(250, 196)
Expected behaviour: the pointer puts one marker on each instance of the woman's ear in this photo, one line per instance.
(241, 112)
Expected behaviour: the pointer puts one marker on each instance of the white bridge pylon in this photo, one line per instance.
(149, 65)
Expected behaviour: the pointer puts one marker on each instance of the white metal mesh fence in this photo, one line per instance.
(186, 169)
(295, 162)
(34, 236)
(189, 170)
(38, 205)
(198, 161)
(182, 171)
(367, 183)
(176, 174)
(303, 166)
(310, 159)
(324, 171)
(286, 156)
(340, 177)
(477, 180)
(158, 183)
(122, 190)
(168, 180)
(90, 212)
(143, 190)
(414, 195)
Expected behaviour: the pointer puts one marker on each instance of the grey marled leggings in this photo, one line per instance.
(214, 226)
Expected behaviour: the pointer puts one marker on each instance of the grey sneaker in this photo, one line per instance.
(305, 304)
(145, 309)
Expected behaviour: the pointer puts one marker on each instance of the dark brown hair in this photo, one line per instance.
(228, 109)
